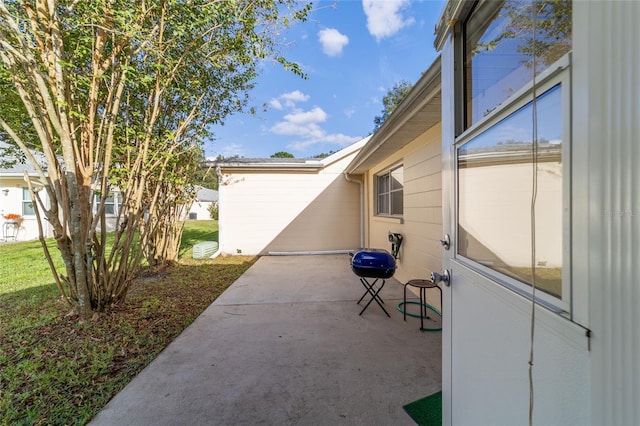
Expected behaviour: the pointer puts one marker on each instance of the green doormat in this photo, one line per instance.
(426, 411)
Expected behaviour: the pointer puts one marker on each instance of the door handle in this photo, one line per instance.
(446, 242)
(445, 277)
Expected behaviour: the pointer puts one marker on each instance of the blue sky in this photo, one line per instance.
(353, 51)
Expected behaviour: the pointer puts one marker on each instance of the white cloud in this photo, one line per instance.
(305, 126)
(336, 139)
(288, 100)
(231, 150)
(349, 111)
(384, 18)
(332, 41)
(295, 96)
(301, 123)
(341, 139)
(287, 128)
(316, 115)
(275, 103)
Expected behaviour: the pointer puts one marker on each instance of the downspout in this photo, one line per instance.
(361, 183)
(217, 252)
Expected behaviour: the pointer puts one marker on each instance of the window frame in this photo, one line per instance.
(115, 203)
(110, 202)
(558, 73)
(464, 121)
(27, 199)
(377, 191)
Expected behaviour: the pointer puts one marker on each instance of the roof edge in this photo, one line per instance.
(308, 165)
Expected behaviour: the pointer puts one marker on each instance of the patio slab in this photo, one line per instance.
(285, 345)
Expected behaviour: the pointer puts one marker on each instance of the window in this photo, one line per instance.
(389, 192)
(501, 172)
(109, 205)
(495, 175)
(27, 203)
(112, 204)
(500, 47)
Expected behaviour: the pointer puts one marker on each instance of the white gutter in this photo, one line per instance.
(361, 183)
(307, 166)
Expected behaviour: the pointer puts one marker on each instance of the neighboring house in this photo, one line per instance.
(112, 207)
(455, 162)
(289, 205)
(15, 198)
(200, 209)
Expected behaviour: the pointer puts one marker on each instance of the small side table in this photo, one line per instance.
(10, 230)
(422, 286)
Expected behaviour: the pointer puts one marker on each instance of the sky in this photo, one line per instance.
(354, 52)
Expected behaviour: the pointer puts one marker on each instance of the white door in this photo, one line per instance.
(506, 207)
(488, 320)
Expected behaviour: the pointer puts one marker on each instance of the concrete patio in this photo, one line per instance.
(284, 345)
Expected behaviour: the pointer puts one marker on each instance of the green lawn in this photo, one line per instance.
(55, 370)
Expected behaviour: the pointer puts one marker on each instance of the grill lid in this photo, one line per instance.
(374, 263)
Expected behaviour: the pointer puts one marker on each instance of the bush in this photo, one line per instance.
(213, 210)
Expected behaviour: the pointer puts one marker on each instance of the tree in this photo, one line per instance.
(391, 100)
(553, 33)
(282, 154)
(206, 177)
(324, 154)
(120, 95)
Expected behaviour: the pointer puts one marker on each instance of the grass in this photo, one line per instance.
(55, 370)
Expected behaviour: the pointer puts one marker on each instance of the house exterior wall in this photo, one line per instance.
(12, 203)
(289, 211)
(511, 240)
(421, 224)
(201, 210)
(606, 201)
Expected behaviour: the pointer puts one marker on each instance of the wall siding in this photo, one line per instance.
(607, 200)
(421, 224)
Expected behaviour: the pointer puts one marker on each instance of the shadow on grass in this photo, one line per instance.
(30, 297)
(47, 358)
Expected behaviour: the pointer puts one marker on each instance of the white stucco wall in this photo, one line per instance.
(264, 211)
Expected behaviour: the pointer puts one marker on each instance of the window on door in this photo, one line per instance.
(496, 174)
(512, 210)
(500, 47)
